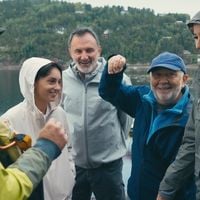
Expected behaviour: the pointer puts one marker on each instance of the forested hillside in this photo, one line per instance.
(42, 27)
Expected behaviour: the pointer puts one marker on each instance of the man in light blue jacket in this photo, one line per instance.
(99, 130)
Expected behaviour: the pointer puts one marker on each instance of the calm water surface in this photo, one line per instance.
(9, 89)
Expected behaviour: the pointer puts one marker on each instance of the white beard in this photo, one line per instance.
(86, 70)
(168, 98)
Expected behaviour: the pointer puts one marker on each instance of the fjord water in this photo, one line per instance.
(9, 89)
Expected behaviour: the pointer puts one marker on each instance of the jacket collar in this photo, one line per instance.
(168, 117)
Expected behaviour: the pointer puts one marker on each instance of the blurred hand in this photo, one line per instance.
(116, 64)
(160, 198)
(54, 131)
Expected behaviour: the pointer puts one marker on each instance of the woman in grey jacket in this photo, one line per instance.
(188, 158)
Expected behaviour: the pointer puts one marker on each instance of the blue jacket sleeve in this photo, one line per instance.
(125, 97)
(109, 85)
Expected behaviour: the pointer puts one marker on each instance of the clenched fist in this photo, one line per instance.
(54, 131)
(116, 64)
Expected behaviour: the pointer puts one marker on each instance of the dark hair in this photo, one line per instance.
(46, 69)
(80, 31)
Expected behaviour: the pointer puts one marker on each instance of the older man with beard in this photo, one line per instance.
(160, 111)
(99, 130)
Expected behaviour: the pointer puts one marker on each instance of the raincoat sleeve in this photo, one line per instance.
(20, 178)
(69, 147)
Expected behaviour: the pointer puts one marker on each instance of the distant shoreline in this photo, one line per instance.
(130, 66)
(9, 67)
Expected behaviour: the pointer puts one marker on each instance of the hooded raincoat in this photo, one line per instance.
(25, 117)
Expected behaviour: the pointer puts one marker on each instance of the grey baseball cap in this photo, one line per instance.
(194, 20)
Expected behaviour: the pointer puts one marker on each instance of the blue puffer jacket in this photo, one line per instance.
(157, 136)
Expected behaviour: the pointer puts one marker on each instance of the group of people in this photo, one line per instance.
(92, 104)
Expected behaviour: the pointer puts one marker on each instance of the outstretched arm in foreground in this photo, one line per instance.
(20, 178)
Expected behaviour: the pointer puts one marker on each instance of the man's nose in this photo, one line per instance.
(84, 55)
(164, 78)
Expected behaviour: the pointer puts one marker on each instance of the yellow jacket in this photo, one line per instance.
(15, 184)
(19, 179)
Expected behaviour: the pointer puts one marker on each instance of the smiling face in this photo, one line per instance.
(48, 88)
(167, 84)
(85, 52)
(196, 33)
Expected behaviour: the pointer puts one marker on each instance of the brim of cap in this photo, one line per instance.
(191, 23)
(171, 67)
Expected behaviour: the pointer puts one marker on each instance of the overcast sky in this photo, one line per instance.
(159, 6)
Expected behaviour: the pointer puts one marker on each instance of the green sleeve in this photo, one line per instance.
(36, 161)
(20, 178)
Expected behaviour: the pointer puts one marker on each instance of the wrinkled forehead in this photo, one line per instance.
(86, 37)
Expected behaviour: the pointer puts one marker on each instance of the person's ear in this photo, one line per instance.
(185, 78)
(69, 52)
(100, 50)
